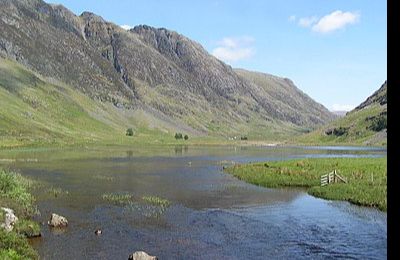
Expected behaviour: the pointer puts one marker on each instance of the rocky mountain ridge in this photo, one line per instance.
(171, 77)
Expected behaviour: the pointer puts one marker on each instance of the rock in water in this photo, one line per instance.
(9, 219)
(141, 255)
(57, 221)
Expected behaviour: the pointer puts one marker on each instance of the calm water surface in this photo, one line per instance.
(212, 215)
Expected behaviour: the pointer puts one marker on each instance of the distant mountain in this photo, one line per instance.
(339, 113)
(366, 124)
(170, 79)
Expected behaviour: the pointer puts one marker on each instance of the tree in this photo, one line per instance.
(178, 136)
(186, 137)
(129, 132)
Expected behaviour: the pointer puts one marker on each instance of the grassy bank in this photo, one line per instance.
(366, 177)
(14, 194)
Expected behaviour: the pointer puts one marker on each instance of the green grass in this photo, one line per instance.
(27, 227)
(14, 194)
(366, 177)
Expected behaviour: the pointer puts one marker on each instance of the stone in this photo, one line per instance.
(9, 219)
(141, 255)
(57, 221)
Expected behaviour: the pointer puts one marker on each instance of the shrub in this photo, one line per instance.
(178, 136)
(129, 132)
(378, 124)
(243, 138)
(186, 137)
(340, 131)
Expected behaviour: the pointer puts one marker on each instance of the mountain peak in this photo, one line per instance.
(92, 17)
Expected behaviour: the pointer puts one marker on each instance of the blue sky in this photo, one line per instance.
(334, 50)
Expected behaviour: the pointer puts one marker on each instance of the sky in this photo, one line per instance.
(333, 50)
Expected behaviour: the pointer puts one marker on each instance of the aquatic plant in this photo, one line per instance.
(156, 201)
(117, 198)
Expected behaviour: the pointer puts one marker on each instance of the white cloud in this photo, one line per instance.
(292, 18)
(330, 22)
(307, 21)
(126, 27)
(231, 49)
(335, 21)
(342, 107)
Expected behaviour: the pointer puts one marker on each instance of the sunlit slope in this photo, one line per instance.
(365, 125)
(34, 110)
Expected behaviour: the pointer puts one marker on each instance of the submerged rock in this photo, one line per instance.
(57, 221)
(141, 255)
(9, 219)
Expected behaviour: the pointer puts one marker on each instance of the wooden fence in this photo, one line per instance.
(332, 177)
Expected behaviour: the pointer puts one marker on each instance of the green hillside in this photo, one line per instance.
(34, 111)
(365, 125)
(41, 111)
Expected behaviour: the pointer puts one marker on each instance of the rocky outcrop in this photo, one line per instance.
(378, 97)
(57, 221)
(141, 255)
(9, 219)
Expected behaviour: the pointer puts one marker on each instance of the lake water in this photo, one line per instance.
(212, 215)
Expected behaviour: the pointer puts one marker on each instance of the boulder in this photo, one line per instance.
(141, 255)
(9, 219)
(57, 221)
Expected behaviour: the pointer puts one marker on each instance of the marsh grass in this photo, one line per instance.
(366, 177)
(156, 201)
(149, 206)
(118, 198)
(57, 191)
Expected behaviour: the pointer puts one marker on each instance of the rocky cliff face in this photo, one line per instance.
(378, 97)
(157, 70)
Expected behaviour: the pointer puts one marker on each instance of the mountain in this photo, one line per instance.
(172, 81)
(366, 124)
(340, 113)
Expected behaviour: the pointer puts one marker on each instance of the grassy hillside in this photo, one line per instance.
(34, 111)
(43, 112)
(365, 125)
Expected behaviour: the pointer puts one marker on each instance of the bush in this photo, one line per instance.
(378, 124)
(178, 136)
(186, 137)
(129, 132)
(340, 131)
(243, 138)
